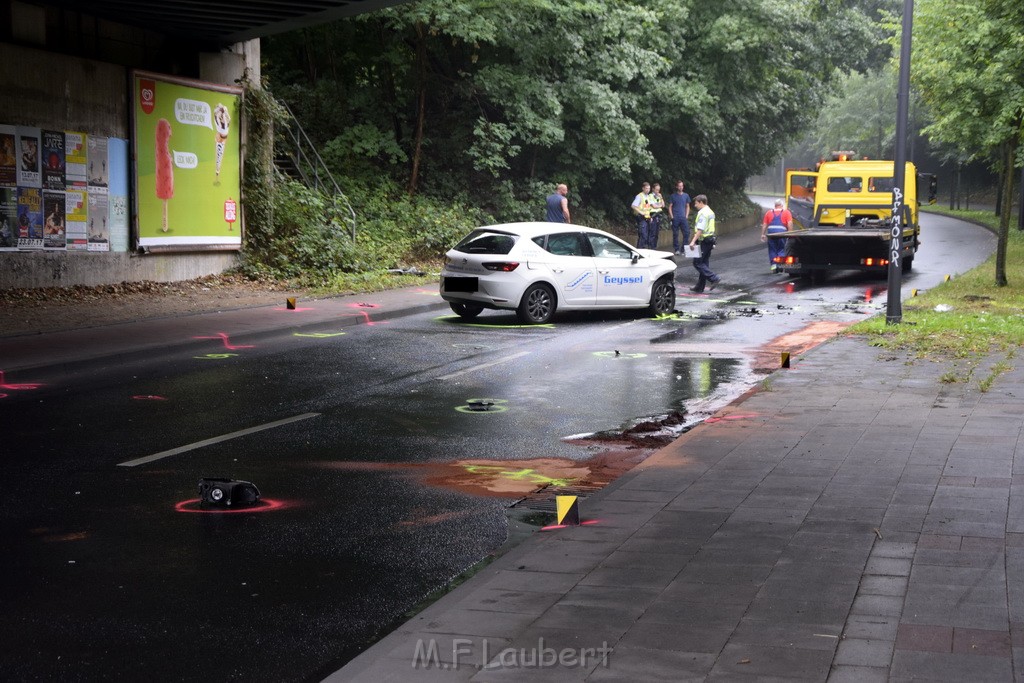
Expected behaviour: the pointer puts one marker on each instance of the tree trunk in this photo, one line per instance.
(421, 106)
(1009, 152)
(1020, 204)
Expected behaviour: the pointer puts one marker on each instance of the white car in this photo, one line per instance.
(538, 268)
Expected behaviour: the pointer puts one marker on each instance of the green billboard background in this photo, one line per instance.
(181, 199)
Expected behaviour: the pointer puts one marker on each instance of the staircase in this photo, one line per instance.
(296, 157)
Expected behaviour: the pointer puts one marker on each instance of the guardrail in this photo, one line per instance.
(296, 156)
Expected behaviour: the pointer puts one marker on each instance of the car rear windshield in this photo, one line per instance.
(486, 242)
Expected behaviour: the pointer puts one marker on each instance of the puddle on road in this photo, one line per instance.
(699, 386)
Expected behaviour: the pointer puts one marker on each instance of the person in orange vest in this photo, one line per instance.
(775, 221)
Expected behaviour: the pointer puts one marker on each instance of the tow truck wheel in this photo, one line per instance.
(818, 277)
(907, 264)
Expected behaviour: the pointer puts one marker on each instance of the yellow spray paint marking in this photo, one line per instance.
(459, 321)
(216, 356)
(667, 316)
(317, 335)
(530, 475)
(616, 354)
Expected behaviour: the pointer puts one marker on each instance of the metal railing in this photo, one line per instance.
(310, 167)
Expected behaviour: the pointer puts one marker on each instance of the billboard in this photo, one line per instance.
(187, 162)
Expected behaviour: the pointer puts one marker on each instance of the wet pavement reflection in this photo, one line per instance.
(417, 438)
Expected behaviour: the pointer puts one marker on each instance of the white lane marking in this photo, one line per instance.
(216, 439)
(486, 365)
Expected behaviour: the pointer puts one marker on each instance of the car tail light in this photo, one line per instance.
(503, 266)
(874, 262)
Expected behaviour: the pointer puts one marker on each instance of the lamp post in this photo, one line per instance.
(894, 307)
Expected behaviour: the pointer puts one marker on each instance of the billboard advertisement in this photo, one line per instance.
(187, 162)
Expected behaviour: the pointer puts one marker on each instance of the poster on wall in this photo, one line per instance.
(53, 159)
(117, 193)
(76, 213)
(54, 211)
(76, 158)
(8, 219)
(187, 162)
(8, 157)
(99, 170)
(30, 218)
(99, 222)
(29, 165)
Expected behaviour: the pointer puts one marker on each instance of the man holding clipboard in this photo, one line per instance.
(704, 236)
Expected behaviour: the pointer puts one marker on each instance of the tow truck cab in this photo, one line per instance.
(842, 192)
(842, 213)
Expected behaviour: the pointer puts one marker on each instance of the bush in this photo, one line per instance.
(306, 236)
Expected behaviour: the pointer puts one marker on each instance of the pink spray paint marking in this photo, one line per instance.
(227, 344)
(29, 386)
(367, 320)
(148, 397)
(262, 505)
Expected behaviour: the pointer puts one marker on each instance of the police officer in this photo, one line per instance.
(704, 234)
(642, 209)
(657, 208)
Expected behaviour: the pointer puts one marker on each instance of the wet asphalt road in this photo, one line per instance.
(110, 573)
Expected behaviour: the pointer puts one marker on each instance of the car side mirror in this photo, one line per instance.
(636, 257)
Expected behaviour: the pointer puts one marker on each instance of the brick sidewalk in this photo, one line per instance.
(859, 520)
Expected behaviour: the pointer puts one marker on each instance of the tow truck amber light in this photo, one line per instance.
(874, 262)
(504, 266)
(786, 260)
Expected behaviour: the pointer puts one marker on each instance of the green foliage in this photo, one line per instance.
(979, 317)
(971, 75)
(860, 115)
(969, 64)
(519, 95)
(305, 237)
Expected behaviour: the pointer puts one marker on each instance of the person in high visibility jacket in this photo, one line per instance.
(775, 221)
(704, 234)
(641, 206)
(657, 213)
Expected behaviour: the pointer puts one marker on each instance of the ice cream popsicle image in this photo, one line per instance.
(164, 165)
(222, 123)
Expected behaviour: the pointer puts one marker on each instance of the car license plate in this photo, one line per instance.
(460, 284)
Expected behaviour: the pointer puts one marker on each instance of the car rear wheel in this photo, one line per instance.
(467, 311)
(663, 297)
(537, 305)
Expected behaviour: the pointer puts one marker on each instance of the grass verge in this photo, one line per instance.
(966, 320)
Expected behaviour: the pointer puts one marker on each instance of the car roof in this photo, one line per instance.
(530, 229)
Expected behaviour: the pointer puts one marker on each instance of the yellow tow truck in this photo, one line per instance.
(842, 216)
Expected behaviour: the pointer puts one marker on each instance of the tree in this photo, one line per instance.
(473, 97)
(969, 66)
